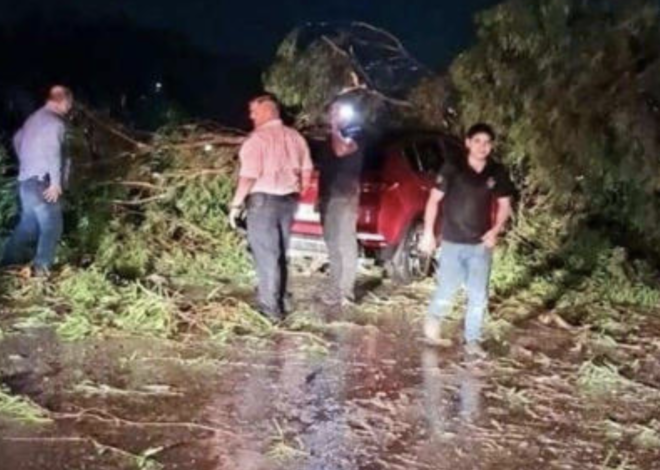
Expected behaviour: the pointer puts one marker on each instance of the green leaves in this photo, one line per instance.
(21, 409)
(139, 239)
(567, 85)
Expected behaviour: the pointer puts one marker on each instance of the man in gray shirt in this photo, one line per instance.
(38, 145)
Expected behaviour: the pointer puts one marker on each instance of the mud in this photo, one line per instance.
(363, 394)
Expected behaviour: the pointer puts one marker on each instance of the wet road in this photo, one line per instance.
(361, 397)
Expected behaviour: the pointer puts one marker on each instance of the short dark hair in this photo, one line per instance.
(266, 98)
(481, 128)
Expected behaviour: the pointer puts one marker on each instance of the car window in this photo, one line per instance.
(413, 156)
(429, 155)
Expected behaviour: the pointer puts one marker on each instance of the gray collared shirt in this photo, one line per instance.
(38, 145)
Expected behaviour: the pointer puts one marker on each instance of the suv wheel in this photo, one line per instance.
(408, 264)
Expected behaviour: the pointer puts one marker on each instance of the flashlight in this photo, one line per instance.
(349, 121)
(346, 112)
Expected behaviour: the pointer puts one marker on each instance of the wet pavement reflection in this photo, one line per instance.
(360, 397)
(374, 400)
(452, 396)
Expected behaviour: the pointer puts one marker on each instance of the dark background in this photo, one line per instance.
(207, 55)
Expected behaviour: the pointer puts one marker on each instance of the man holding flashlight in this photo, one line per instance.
(468, 189)
(341, 161)
(275, 167)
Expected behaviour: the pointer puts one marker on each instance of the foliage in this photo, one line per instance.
(317, 63)
(572, 87)
(8, 199)
(647, 438)
(140, 234)
(310, 78)
(588, 139)
(147, 234)
(21, 409)
(431, 104)
(602, 380)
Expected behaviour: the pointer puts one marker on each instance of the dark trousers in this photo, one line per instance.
(269, 220)
(339, 218)
(39, 230)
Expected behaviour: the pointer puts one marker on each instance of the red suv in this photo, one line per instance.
(398, 174)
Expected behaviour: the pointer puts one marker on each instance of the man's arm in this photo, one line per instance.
(242, 191)
(343, 147)
(431, 210)
(251, 168)
(18, 138)
(54, 163)
(428, 242)
(502, 216)
(307, 166)
(503, 191)
(55, 141)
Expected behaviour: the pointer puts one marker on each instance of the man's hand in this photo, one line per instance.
(235, 214)
(52, 193)
(490, 238)
(427, 244)
(503, 213)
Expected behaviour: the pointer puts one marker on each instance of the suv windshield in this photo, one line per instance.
(424, 156)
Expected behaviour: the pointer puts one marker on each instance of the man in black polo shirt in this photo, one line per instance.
(472, 191)
(340, 163)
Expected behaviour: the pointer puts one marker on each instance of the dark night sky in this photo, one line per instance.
(433, 30)
(211, 64)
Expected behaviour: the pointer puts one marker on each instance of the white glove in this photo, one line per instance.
(235, 214)
(427, 244)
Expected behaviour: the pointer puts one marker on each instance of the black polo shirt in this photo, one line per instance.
(340, 176)
(469, 197)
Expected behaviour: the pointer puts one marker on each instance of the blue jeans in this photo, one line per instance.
(40, 226)
(468, 266)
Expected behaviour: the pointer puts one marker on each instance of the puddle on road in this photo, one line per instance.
(376, 399)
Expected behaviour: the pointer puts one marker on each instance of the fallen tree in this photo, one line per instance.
(147, 246)
(573, 88)
(319, 62)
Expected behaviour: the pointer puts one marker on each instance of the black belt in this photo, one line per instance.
(38, 179)
(274, 196)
